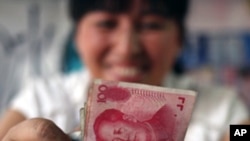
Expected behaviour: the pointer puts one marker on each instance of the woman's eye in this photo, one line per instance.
(107, 24)
(153, 26)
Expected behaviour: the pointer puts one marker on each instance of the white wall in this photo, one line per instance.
(36, 31)
(219, 15)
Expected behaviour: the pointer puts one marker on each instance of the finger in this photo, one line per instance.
(36, 130)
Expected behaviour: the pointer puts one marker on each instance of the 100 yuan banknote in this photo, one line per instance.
(118, 111)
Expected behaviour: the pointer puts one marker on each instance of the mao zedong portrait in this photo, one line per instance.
(114, 125)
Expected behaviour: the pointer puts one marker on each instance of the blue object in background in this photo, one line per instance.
(203, 49)
(71, 60)
(246, 41)
(189, 55)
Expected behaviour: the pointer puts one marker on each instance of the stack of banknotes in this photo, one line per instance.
(119, 111)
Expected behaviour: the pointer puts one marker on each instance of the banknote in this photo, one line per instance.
(82, 117)
(119, 111)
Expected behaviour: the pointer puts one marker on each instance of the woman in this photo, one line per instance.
(121, 40)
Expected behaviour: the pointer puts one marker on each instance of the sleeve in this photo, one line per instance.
(238, 112)
(26, 101)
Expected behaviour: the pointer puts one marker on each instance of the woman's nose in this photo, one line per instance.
(128, 43)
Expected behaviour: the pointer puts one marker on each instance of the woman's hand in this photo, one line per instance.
(36, 130)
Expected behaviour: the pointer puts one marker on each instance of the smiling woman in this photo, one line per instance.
(121, 40)
(129, 41)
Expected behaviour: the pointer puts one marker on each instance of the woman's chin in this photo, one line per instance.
(135, 79)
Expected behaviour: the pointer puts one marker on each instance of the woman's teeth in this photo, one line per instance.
(127, 72)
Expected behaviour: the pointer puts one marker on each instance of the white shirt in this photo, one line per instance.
(60, 99)
(57, 98)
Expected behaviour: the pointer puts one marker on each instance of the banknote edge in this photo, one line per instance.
(150, 87)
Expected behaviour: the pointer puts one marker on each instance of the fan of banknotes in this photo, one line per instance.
(119, 111)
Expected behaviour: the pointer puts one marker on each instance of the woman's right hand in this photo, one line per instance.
(36, 130)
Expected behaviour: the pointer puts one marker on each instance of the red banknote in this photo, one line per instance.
(118, 111)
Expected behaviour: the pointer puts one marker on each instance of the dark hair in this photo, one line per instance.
(175, 9)
(110, 115)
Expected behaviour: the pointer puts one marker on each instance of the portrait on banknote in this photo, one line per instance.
(112, 124)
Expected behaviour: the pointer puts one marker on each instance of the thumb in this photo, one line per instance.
(36, 130)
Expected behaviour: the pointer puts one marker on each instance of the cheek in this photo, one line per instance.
(91, 45)
(161, 48)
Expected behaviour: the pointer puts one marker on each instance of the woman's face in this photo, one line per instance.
(117, 47)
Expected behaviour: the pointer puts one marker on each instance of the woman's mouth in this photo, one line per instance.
(127, 73)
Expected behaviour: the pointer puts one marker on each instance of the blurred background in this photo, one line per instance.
(34, 33)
